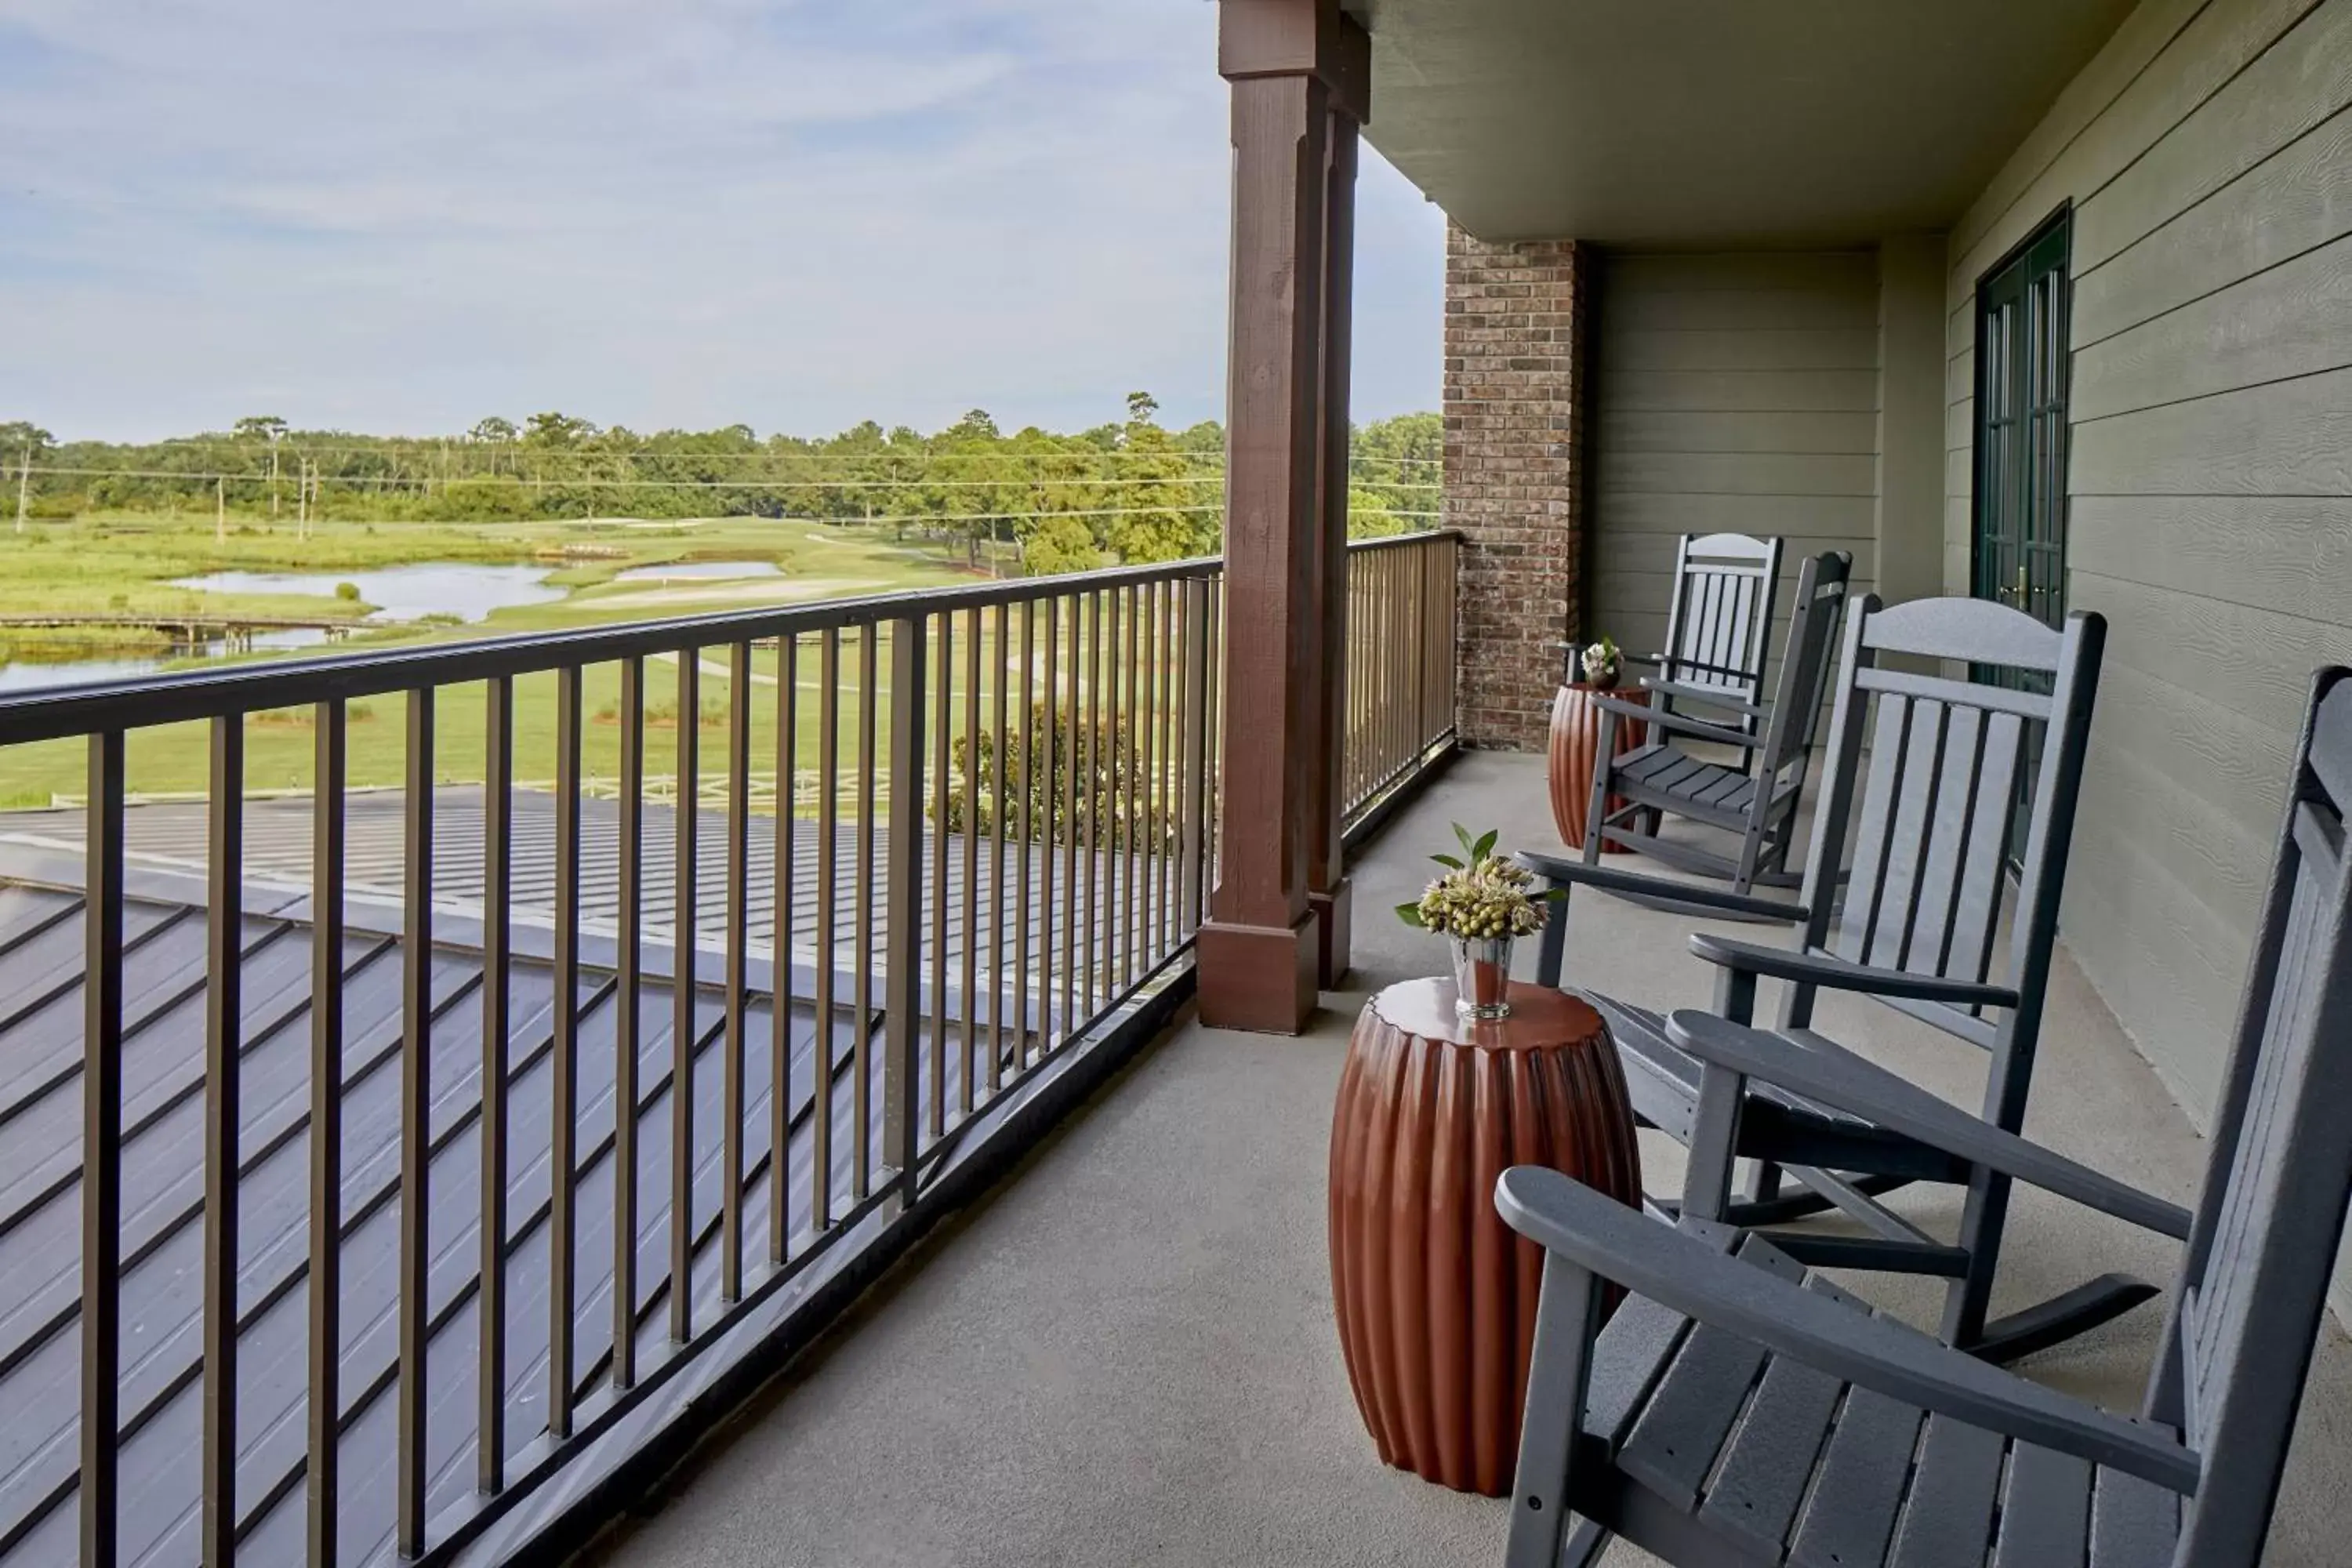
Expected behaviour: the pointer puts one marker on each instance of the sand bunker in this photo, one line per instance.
(748, 591)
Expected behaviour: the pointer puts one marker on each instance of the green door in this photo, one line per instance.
(2021, 445)
(2021, 452)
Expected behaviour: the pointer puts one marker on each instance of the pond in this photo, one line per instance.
(35, 667)
(684, 571)
(467, 590)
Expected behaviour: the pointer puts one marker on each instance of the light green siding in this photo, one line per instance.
(1734, 393)
(2207, 152)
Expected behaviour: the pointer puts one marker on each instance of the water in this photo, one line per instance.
(681, 571)
(30, 672)
(466, 591)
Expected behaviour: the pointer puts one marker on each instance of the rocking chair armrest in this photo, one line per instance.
(1688, 1276)
(1673, 723)
(1838, 974)
(1713, 697)
(1611, 879)
(1831, 1076)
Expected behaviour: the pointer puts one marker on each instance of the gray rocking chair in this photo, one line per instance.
(1757, 799)
(1735, 1411)
(1718, 629)
(1937, 785)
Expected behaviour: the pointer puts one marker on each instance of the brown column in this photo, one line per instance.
(1259, 951)
(1327, 889)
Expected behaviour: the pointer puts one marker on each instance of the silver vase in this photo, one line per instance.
(1482, 977)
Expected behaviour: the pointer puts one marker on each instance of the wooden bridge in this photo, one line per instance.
(237, 631)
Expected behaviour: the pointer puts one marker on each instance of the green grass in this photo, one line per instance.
(104, 558)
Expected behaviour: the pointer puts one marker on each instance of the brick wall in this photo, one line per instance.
(1514, 330)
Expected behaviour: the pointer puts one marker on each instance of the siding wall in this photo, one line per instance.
(2208, 154)
(1737, 393)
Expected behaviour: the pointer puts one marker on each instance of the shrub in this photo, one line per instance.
(347, 592)
(1121, 801)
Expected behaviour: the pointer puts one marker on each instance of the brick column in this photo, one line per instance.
(1514, 476)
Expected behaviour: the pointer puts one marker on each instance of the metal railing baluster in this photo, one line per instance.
(943, 732)
(684, 928)
(497, 874)
(739, 969)
(969, 1017)
(322, 1501)
(412, 1471)
(828, 752)
(563, 1066)
(1021, 911)
(101, 1183)
(997, 768)
(903, 913)
(1068, 761)
(223, 1049)
(627, 1005)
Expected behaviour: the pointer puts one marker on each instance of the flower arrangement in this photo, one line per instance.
(1602, 663)
(1482, 902)
(1482, 895)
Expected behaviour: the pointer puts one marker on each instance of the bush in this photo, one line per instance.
(1117, 797)
(347, 592)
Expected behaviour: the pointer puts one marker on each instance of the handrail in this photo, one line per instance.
(180, 696)
(1400, 540)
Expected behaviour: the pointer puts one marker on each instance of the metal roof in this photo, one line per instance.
(164, 1072)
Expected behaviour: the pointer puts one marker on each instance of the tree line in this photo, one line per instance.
(1130, 489)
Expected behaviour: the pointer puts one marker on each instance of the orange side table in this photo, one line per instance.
(1575, 753)
(1435, 1296)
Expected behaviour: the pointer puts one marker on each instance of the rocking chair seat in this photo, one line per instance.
(1717, 1450)
(1659, 774)
(1661, 1079)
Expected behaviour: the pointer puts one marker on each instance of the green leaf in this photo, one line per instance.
(1410, 915)
(1555, 895)
(1485, 846)
(1447, 860)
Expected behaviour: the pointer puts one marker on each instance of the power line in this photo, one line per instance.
(386, 481)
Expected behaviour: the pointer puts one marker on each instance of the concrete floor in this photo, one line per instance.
(1126, 1355)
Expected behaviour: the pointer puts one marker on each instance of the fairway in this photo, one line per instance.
(117, 565)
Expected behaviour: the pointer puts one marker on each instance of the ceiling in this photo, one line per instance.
(1697, 122)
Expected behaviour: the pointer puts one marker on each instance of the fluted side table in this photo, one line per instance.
(1575, 754)
(1435, 1296)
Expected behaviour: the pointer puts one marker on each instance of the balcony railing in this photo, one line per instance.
(439, 1151)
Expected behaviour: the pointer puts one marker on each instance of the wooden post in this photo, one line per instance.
(1260, 952)
(220, 511)
(1327, 889)
(23, 486)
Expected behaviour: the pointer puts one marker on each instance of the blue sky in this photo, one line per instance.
(797, 214)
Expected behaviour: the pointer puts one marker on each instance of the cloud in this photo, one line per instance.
(684, 213)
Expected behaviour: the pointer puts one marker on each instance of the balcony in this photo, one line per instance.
(1042, 1267)
(349, 1207)
(1127, 1354)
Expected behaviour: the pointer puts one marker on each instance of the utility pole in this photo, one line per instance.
(302, 505)
(274, 435)
(23, 486)
(220, 511)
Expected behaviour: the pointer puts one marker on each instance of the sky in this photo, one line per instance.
(791, 214)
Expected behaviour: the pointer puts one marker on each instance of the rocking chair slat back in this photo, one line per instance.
(1929, 822)
(1805, 673)
(2280, 1168)
(1719, 627)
